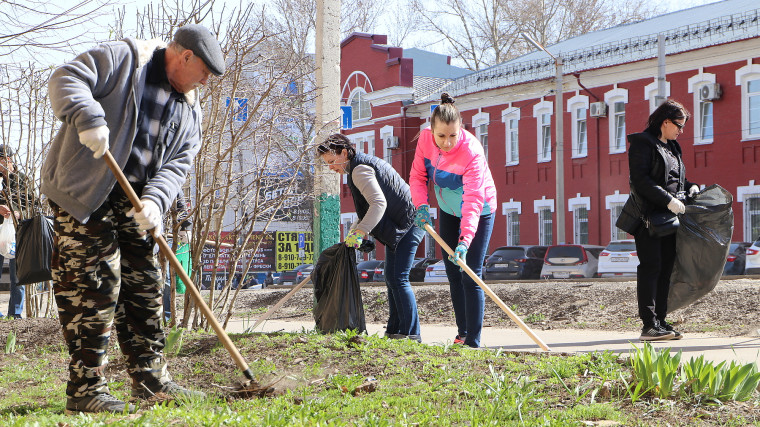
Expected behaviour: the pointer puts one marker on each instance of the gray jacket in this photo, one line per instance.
(103, 86)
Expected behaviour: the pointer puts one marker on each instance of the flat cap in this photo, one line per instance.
(203, 43)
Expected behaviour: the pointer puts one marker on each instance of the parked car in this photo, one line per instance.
(366, 269)
(619, 258)
(515, 262)
(416, 274)
(571, 261)
(296, 275)
(436, 273)
(752, 258)
(736, 258)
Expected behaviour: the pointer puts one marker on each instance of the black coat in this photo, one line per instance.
(649, 175)
(399, 213)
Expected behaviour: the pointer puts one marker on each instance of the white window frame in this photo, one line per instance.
(650, 94)
(356, 113)
(385, 133)
(695, 84)
(572, 206)
(743, 76)
(611, 201)
(511, 139)
(744, 193)
(538, 207)
(539, 110)
(573, 105)
(478, 121)
(508, 208)
(611, 98)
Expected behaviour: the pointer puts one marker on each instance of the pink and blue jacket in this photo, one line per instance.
(461, 180)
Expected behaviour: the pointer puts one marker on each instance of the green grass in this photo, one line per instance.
(417, 385)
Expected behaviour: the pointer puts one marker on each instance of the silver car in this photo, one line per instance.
(571, 261)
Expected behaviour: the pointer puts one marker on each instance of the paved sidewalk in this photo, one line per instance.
(743, 349)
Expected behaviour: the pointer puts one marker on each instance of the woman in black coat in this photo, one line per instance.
(658, 183)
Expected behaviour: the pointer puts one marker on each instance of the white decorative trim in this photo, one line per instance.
(578, 201)
(511, 205)
(351, 77)
(614, 198)
(744, 74)
(480, 118)
(611, 97)
(747, 190)
(385, 132)
(390, 95)
(358, 137)
(650, 93)
(543, 203)
(508, 114)
(573, 104)
(542, 107)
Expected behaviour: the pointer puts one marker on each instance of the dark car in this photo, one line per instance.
(515, 262)
(416, 274)
(736, 258)
(296, 275)
(366, 270)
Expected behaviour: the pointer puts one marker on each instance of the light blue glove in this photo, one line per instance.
(354, 239)
(459, 253)
(422, 217)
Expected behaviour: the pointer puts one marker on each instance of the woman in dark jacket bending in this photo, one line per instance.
(658, 182)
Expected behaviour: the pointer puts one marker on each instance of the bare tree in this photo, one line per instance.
(35, 27)
(482, 33)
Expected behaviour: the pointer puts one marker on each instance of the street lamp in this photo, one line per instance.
(559, 150)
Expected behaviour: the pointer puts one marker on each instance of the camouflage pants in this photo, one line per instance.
(106, 274)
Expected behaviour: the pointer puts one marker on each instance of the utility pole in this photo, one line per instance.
(326, 226)
(661, 76)
(559, 152)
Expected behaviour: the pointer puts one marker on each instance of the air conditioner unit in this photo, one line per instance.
(597, 109)
(709, 92)
(391, 142)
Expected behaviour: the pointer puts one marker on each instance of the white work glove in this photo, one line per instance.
(96, 139)
(149, 217)
(676, 206)
(693, 191)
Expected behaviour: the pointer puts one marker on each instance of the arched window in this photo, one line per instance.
(360, 108)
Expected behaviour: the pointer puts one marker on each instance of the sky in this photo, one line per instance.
(87, 33)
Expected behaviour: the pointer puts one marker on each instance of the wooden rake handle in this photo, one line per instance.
(279, 304)
(488, 290)
(167, 251)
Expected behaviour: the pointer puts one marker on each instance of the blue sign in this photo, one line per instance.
(301, 240)
(239, 109)
(433, 107)
(347, 119)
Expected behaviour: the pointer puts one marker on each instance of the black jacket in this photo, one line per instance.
(399, 213)
(649, 174)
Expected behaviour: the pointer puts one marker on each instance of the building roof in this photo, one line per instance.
(688, 29)
(430, 64)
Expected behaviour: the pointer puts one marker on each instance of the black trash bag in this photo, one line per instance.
(702, 244)
(34, 250)
(336, 288)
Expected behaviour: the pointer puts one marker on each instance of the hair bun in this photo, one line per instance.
(446, 99)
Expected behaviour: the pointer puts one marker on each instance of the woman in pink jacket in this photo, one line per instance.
(453, 159)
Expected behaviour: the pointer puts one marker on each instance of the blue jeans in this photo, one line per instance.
(466, 296)
(402, 318)
(16, 303)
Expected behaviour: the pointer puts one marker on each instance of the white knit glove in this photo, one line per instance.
(676, 206)
(693, 191)
(149, 217)
(96, 139)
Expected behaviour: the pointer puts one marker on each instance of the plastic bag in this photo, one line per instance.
(34, 250)
(336, 288)
(702, 244)
(7, 239)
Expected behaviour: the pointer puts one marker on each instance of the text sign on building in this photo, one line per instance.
(346, 121)
(287, 251)
(239, 109)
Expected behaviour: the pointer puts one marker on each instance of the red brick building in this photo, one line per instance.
(610, 86)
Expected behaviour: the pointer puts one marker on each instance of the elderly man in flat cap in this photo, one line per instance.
(140, 100)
